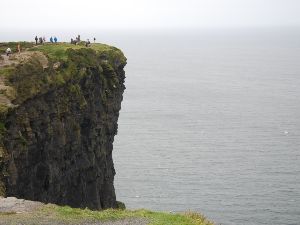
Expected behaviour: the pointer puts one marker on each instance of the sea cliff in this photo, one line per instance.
(59, 111)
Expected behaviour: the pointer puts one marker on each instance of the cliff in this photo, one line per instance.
(59, 108)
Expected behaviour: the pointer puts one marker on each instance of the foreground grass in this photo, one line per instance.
(52, 214)
(154, 218)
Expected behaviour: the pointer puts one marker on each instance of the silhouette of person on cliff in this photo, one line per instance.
(55, 40)
(36, 40)
(8, 51)
(94, 40)
(51, 39)
(19, 47)
(88, 43)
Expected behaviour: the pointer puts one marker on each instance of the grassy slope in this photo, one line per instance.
(67, 215)
(57, 52)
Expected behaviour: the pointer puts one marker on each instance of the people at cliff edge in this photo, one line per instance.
(8, 51)
(51, 39)
(36, 40)
(19, 48)
(88, 43)
(55, 40)
(41, 40)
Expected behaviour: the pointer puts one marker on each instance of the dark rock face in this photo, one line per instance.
(60, 143)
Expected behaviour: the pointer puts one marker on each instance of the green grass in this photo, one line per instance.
(154, 218)
(58, 52)
(53, 214)
(55, 52)
(6, 71)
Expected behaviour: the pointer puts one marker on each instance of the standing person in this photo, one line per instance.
(51, 39)
(44, 39)
(88, 43)
(8, 51)
(55, 40)
(94, 40)
(36, 40)
(19, 48)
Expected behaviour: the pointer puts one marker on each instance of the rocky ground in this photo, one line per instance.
(15, 59)
(15, 211)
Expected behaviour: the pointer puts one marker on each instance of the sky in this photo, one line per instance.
(148, 14)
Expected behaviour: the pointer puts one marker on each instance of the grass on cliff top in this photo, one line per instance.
(57, 52)
(53, 214)
(32, 77)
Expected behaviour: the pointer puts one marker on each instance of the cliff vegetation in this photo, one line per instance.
(54, 215)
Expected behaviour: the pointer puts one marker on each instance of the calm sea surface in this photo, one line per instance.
(210, 122)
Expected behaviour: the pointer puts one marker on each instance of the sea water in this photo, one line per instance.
(210, 122)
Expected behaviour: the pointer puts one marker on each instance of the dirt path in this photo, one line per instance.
(5, 61)
(15, 59)
(22, 57)
(14, 205)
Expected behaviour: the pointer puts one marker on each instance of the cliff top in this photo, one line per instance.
(38, 68)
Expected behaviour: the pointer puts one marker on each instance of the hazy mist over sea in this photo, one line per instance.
(210, 121)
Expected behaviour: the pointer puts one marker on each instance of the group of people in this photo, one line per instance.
(42, 40)
(76, 41)
(88, 43)
(54, 39)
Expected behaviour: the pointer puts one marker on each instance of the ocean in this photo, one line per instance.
(210, 122)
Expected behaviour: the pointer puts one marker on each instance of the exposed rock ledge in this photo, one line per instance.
(14, 205)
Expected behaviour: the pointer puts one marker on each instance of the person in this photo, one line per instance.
(19, 48)
(41, 40)
(44, 39)
(78, 38)
(36, 40)
(94, 39)
(8, 51)
(51, 39)
(88, 43)
(55, 39)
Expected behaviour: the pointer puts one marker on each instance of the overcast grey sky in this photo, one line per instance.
(25, 14)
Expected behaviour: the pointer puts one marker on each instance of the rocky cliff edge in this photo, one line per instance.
(59, 108)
